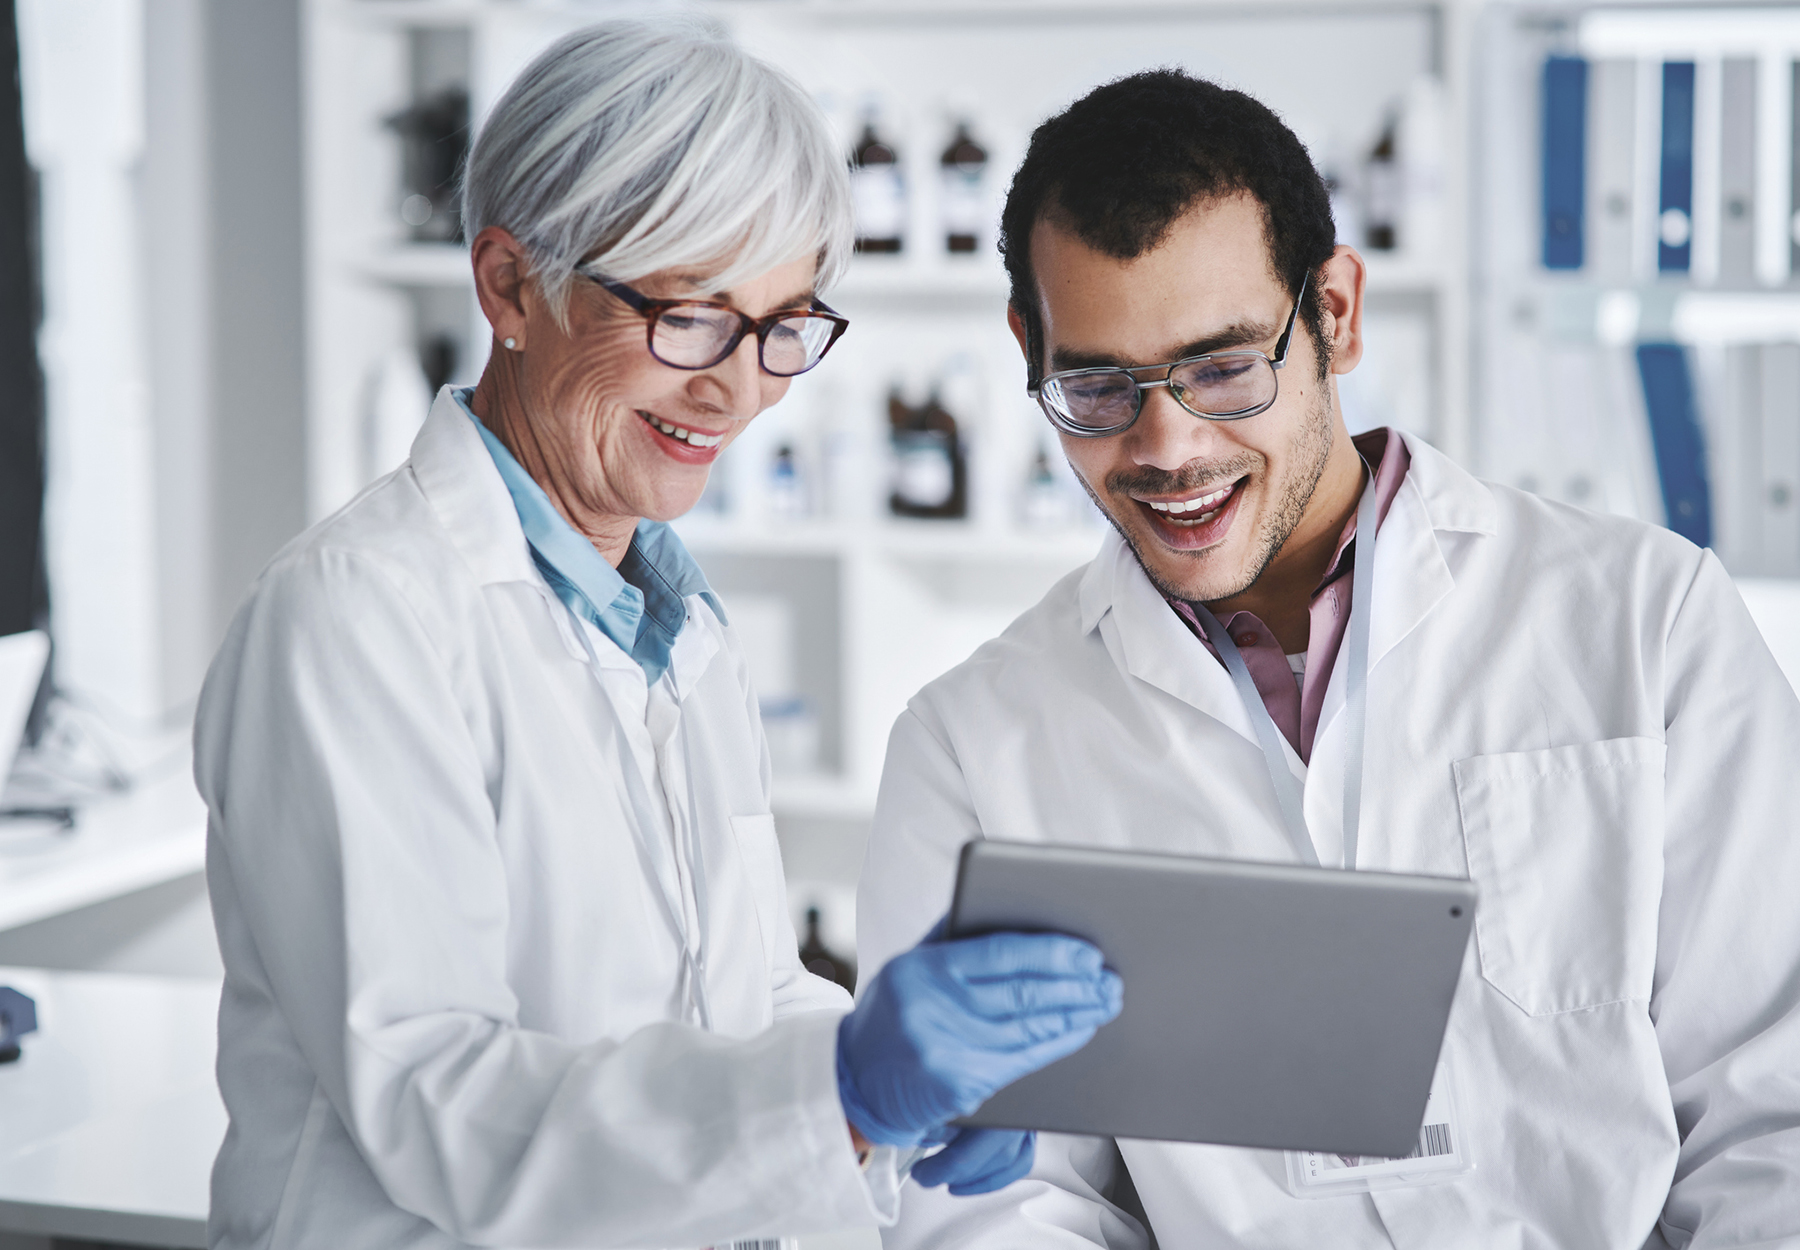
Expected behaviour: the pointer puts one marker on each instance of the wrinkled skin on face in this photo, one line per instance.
(612, 434)
(1243, 515)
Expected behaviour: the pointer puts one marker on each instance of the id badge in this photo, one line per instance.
(1441, 1154)
(759, 1243)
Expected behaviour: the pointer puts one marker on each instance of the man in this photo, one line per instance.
(1573, 710)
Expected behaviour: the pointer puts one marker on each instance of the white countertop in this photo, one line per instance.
(112, 1117)
(153, 834)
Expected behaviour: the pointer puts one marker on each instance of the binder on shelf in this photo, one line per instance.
(1736, 461)
(1675, 199)
(1611, 170)
(1737, 172)
(1676, 436)
(1779, 391)
(1564, 152)
(1793, 204)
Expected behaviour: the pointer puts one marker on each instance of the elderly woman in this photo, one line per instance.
(508, 958)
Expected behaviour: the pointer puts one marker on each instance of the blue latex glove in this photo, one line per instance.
(978, 1160)
(946, 1024)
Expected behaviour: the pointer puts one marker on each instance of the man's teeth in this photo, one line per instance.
(692, 437)
(1183, 506)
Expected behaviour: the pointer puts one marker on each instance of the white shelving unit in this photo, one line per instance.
(1559, 401)
(868, 607)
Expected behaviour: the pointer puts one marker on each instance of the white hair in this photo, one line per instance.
(635, 146)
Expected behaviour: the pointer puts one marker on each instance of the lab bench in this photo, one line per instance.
(112, 1116)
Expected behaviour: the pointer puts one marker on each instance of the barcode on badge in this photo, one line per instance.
(1434, 1139)
(759, 1243)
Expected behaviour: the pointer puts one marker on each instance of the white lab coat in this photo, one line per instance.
(1574, 710)
(453, 1007)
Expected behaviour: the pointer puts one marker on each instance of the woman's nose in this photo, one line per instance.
(738, 379)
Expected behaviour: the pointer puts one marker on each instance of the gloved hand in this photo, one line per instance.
(946, 1024)
(978, 1160)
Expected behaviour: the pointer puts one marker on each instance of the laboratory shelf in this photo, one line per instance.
(976, 280)
(961, 280)
(419, 264)
(955, 541)
(414, 13)
(1398, 272)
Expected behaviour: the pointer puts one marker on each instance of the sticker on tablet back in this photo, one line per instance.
(1441, 1154)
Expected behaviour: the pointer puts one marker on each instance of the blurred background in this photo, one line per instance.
(232, 276)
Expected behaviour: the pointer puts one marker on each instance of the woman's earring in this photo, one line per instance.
(512, 345)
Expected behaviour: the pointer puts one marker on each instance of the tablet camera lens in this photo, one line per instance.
(1456, 911)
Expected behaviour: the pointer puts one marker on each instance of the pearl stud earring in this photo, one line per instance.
(512, 345)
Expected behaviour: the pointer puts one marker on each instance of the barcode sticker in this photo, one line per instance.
(1434, 1139)
(1435, 1156)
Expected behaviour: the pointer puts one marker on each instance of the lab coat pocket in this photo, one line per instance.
(761, 854)
(1565, 847)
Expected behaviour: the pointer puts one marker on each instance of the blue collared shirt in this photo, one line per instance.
(638, 605)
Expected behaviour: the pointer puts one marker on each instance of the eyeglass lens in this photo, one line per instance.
(1225, 385)
(696, 336)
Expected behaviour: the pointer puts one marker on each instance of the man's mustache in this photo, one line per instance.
(1189, 477)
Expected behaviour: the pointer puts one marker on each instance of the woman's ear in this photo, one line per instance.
(501, 266)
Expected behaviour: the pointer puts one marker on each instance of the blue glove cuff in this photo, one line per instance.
(857, 1111)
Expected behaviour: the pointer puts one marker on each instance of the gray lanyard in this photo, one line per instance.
(662, 860)
(1290, 793)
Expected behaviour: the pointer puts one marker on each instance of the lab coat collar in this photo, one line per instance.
(464, 488)
(640, 605)
(1453, 498)
(1411, 577)
(1150, 642)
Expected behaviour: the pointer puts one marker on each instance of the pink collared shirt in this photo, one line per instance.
(1295, 706)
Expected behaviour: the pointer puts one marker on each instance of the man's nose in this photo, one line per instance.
(1167, 436)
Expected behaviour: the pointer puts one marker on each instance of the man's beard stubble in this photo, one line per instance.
(1308, 453)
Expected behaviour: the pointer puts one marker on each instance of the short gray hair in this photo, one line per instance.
(635, 146)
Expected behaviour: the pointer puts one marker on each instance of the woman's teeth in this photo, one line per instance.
(1183, 510)
(691, 437)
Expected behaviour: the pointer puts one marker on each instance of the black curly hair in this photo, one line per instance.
(1122, 163)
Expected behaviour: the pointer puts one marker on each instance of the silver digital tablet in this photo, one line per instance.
(1266, 1005)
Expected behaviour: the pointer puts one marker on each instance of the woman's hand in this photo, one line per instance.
(946, 1024)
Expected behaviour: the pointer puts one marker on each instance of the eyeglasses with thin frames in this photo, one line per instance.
(698, 334)
(1218, 386)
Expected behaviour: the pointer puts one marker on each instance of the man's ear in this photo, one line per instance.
(501, 266)
(1341, 284)
(1016, 324)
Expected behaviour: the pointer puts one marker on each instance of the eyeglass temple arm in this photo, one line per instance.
(1287, 335)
